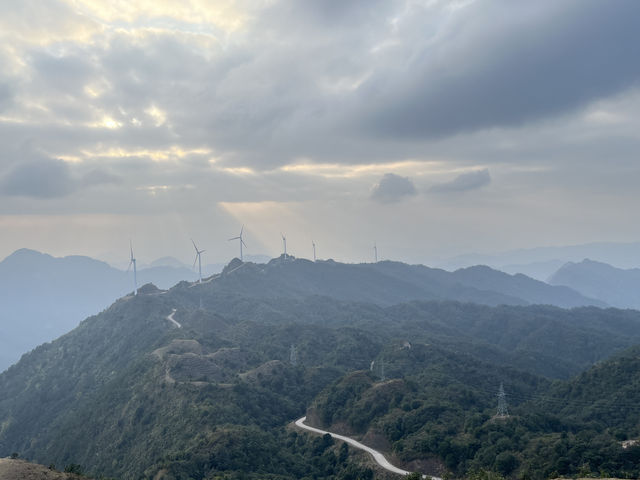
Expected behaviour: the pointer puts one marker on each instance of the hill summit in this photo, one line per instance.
(387, 282)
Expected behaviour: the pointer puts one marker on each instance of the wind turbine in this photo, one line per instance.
(284, 242)
(314, 250)
(198, 252)
(135, 272)
(239, 237)
(375, 251)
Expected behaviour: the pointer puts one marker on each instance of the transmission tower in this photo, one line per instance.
(502, 403)
(293, 355)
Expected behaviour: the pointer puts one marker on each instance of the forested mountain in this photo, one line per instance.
(71, 288)
(604, 396)
(435, 407)
(615, 286)
(202, 380)
(45, 297)
(387, 283)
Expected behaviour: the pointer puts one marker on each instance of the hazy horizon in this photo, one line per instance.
(537, 262)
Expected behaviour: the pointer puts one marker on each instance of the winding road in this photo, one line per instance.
(377, 456)
(170, 318)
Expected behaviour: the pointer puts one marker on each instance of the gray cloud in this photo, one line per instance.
(6, 96)
(67, 74)
(509, 65)
(44, 178)
(280, 94)
(99, 176)
(464, 182)
(392, 188)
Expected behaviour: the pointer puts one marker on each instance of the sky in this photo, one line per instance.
(430, 128)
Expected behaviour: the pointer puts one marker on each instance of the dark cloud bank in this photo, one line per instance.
(508, 64)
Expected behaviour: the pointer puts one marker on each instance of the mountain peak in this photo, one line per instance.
(26, 253)
(232, 265)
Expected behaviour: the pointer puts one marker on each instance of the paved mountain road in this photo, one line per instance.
(377, 456)
(170, 318)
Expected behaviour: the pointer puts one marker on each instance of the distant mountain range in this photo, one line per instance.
(615, 286)
(45, 297)
(540, 263)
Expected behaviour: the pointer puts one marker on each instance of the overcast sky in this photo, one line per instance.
(432, 128)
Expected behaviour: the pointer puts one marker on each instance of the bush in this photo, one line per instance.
(74, 468)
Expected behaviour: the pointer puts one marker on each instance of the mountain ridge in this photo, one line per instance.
(388, 282)
(618, 287)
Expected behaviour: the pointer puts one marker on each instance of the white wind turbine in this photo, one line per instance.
(239, 237)
(375, 252)
(314, 250)
(284, 242)
(135, 272)
(199, 260)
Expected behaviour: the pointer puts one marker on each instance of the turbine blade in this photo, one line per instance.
(194, 261)
(194, 244)
(244, 243)
(234, 238)
(241, 230)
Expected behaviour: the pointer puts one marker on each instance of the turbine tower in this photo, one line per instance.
(284, 242)
(135, 272)
(198, 259)
(375, 252)
(239, 237)
(314, 250)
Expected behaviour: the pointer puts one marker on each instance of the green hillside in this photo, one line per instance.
(129, 394)
(441, 406)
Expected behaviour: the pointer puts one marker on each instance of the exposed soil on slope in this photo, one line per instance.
(15, 469)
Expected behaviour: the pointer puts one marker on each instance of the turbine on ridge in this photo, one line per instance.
(135, 272)
(375, 252)
(314, 250)
(284, 242)
(239, 237)
(198, 259)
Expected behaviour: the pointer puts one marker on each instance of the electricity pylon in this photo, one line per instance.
(502, 403)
